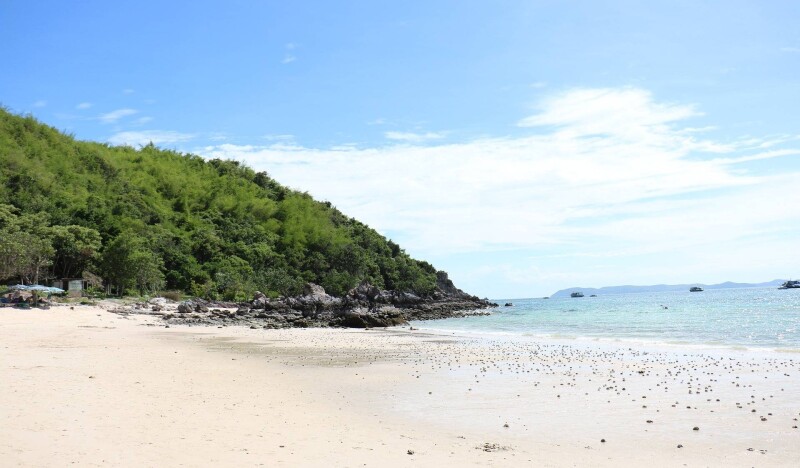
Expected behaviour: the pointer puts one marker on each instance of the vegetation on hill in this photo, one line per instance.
(150, 219)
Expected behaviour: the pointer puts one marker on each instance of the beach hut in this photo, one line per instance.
(73, 286)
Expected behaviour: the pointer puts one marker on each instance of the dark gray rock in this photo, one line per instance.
(192, 305)
(362, 307)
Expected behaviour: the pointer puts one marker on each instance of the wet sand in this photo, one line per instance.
(89, 387)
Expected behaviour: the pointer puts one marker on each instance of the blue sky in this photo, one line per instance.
(523, 146)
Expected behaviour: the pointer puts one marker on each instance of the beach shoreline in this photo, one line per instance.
(96, 388)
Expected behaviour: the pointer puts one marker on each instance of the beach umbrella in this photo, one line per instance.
(36, 287)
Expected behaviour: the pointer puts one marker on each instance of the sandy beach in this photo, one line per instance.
(91, 388)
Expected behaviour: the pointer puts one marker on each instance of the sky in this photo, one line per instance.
(522, 146)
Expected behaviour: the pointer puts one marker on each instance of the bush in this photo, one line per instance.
(172, 295)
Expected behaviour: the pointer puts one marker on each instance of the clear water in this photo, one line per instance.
(748, 318)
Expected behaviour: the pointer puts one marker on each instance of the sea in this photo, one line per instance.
(760, 318)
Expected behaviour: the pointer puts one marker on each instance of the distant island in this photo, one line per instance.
(663, 288)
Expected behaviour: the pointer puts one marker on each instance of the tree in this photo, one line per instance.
(128, 264)
(147, 276)
(36, 257)
(25, 247)
(11, 253)
(76, 247)
(233, 278)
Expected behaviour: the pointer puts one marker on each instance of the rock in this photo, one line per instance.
(364, 292)
(364, 318)
(311, 289)
(407, 298)
(260, 300)
(364, 306)
(187, 307)
(158, 301)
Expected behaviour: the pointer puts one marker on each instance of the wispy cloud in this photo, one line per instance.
(84, 106)
(40, 103)
(792, 50)
(602, 168)
(128, 91)
(412, 137)
(290, 56)
(140, 138)
(279, 137)
(115, 115)
(143, 120)
(539, 84)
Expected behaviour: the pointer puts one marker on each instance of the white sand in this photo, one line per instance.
(88, 387)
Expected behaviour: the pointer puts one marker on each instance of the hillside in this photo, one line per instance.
(663, 288)
(150, 219)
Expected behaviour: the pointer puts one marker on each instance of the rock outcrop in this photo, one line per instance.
(364, 306)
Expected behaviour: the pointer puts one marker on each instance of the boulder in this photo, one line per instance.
(364, 292)
(158, 301)
(187, 307)
(363, 318)
(260, 300)
(313, 290)
(407, 298)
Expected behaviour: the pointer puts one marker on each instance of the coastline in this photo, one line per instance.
(602, 341)
(96, 388)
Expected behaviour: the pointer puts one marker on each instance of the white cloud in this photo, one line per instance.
(143, 120)
(40, 103)
(412, 137)
(128, 91)
(793, 50)
(288, 58)
(83, 105)
(114, 116)
(279, 137)
(539, 84)
(158, 137)
(604, 174)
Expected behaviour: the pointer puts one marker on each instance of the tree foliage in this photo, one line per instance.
(150, 218)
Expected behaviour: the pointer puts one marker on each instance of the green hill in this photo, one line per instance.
(151, 219)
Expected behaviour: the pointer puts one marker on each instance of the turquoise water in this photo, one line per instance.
(750, 318)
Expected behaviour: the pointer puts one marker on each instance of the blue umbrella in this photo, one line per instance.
(36, 287)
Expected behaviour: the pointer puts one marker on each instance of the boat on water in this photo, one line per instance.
(576, 294)
(790, 285)
(695, 289)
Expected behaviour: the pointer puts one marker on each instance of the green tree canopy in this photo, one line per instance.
(149, 218)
